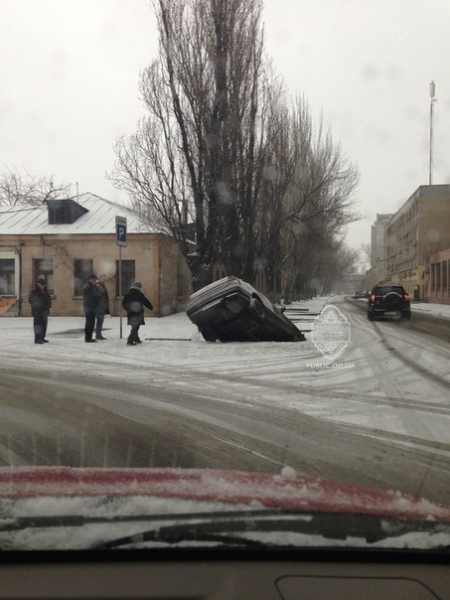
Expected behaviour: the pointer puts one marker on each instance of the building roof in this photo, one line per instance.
(99, 218)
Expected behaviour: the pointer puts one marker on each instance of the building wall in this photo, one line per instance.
(419, 228)
(175, 278)
(438, 282)
(375, 274)
(156, 261)
(377, 246)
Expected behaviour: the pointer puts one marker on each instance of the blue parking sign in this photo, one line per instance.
(121, 231)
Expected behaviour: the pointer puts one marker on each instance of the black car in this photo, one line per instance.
(232, 310)
(389, 300)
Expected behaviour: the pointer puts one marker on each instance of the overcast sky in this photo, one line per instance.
(69, 74)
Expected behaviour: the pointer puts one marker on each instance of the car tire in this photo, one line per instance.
(370, 316)
(208, 335)
(257, 310)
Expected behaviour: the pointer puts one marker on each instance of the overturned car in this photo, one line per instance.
(231, 310)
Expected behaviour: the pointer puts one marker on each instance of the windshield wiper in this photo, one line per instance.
(329, 525)
(228, 527)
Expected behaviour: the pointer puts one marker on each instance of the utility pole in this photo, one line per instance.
(432, 101)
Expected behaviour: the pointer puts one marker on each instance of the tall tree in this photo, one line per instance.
(309, 198)
(195, 156)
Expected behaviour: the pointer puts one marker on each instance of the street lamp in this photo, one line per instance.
(433, 99)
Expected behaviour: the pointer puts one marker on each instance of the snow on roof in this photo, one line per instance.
(100, 218)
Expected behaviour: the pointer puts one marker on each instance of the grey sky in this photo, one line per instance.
(69, 74)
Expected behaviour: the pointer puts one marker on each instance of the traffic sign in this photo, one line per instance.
(121, 231)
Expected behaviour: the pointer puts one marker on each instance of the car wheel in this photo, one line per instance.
(257, 310)
(208, 335)
(370, 316)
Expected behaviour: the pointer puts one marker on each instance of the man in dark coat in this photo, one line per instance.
(41, 302)
(102, 307)
(133, 302)
(91, 295)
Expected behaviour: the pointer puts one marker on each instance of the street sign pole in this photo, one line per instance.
(120, 291)
(121, 240)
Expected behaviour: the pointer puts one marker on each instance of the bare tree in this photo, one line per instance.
(17, 189)
(195, 157)
(221, 162)
(309, 200)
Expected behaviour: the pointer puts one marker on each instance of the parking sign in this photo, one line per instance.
(121, 231)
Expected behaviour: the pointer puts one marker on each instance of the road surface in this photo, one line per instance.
(380, 416)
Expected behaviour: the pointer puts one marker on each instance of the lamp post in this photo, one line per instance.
(432, 101)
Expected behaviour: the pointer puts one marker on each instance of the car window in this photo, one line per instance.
(198, 201)
(388, 289)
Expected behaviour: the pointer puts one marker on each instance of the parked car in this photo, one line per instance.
(389, 300)
(232, 310)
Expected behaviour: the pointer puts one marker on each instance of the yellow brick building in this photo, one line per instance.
(64, 240)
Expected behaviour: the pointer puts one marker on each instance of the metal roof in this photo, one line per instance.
(100, 219)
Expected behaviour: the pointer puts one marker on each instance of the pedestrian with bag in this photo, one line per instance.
(91, 295)
(133, 303)
(40, 302)
(102, 306)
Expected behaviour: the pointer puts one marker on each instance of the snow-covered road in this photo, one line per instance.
(380, 414)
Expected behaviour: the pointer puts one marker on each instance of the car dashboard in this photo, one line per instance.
(261, 575)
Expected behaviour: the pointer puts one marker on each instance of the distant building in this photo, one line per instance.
(419, 229)
(65, 240)
(349, 284)
(375, 274)
(377, 271)
(377, 246)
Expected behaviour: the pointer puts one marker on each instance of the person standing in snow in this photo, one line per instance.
(91, 296)
(133, 303)
(41, 302)
(102, 307)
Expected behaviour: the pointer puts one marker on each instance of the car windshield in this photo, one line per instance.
(198, 201)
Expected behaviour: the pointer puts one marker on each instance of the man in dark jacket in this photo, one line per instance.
(133, 302)
(41, 302)
(91, 295)
(102, 306)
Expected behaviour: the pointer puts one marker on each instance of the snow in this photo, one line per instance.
(344, 390)
(87, 507)
(362, 389)
(99, 218)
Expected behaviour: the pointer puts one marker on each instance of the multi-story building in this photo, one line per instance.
(377, 246)
(418, 229)
(65, 240)
(377, 271)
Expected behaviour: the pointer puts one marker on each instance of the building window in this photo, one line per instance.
(43, 267)
(128, 275)
(7, 277)
(82, 267)
(444, 276)
(433, 277)
(438, 276)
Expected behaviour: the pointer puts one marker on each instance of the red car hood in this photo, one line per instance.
(284, 491)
